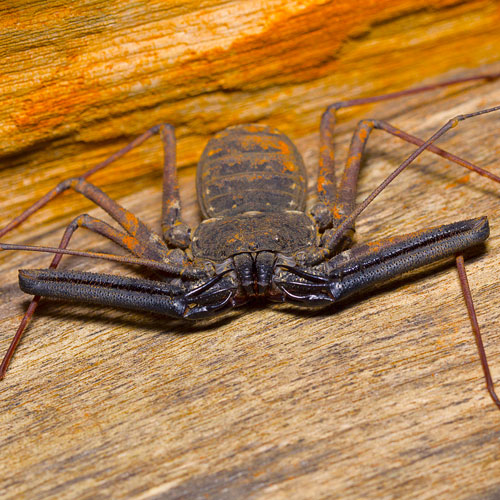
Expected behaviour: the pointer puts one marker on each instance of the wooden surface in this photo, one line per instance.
(378, 399)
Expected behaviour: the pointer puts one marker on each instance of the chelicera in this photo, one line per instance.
(256, 239)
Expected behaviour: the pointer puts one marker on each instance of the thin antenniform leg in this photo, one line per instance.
(464, 283)
(325, 211)
(346, 196)
(333, 236)
(120, 237)
(383, 125)
(187, 270)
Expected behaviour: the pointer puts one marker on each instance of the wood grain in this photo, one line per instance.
(383, 398)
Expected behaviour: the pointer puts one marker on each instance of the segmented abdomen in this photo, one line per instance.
(250, 168)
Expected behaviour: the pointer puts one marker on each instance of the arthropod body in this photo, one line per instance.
(257, 238)
(252, 184)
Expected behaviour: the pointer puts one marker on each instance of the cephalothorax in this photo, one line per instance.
(256, 238)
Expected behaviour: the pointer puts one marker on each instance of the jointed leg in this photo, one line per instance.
(346, 197)
(174, 305)
(95, 225)
(154, 252)
(53, 193)
(325, 211)
(464, 283)
(121, 238)
(332, 237)
(175, 232)
(157, 250)
(366, 265)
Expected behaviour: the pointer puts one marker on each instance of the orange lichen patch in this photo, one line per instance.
(322, 180)
(337, 215)
(356, 158)
(132, 223)
(132, 244)
(214, 151)
(376, 246)
(326, 186)
(364, 131)
(288, 166)
(264, 142)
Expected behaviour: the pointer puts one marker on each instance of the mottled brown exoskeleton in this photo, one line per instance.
(256, 239)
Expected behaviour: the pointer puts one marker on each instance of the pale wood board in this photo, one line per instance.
(383, 398)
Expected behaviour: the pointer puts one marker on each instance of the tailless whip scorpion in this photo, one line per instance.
(256, 239)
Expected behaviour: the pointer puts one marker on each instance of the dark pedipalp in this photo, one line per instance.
(110, 290)
(313, 295)
(197, 291)
(304, 274)
(130, 293)
(368, 265)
